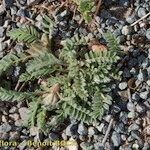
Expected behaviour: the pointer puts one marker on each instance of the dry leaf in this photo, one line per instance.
(51, 98)
(37, 48)
(99, 48)
(131, 84)
(46, 41)
(124, 95)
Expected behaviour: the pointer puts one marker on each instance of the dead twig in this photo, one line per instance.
(108, 131)
(140, 19)
(129, 95)
(17, 86)
(98, 7)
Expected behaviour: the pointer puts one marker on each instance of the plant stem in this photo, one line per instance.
(140, 19)
(108, 130)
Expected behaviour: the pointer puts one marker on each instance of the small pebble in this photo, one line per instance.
(141, 12)
(116, 139)
(1, 32)
(126, 30)
(82, 130)
(148, 34)
(144, 95)
(122, 85)
(5, 127)
(140, 108)
(92, 131)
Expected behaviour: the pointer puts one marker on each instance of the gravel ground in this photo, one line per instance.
(129, 116)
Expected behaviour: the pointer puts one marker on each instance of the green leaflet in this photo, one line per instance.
(40, 66)
(8, 95)
(27, 34)
(41, 119)
(86, 7)
(9, 60)
(33, 109)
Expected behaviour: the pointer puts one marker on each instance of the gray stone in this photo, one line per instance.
(1, 32)
(135, 96)
(19, 123)
(2, 46)
(121, 38)
(107, 118)
(71, 129)
(140, 108)
(4, 136)
(123, 117)
(98, 146)
(142, 75)
(13, 10)
(5, 118)
(100, 127)
(133, 126)
(130, 106)
(16, 71)
(5, 127)
(126, 73)
(131, 19)
(64, 13)
(22, 2)
(2, 9)
(136, 135)
(77, 17)
(62, 16)
(23, 111)
(13, 110)
(105, 14)
(123, 137)
(141, 12)
(115, 109)
(33, 2)
(132, 62)
(22, 12)
(125, 147)
(148, 69)
(14, 136)
(117, 32)
(19, 47)
(148, 82)
(82, 130)
(148, 34)
(120, 128)
(84, 145)
(14, 116)
(124, 2)
(116, 139)
(130, 139)
(131, 115)
(34, 131)
(122, 85)
(53, 136)
(126, 30)
(146, 146)
(92, 131)
(8, 3)
(135, 146)
(144, 95)
(22, 145)
(109, 146)
(145, 63)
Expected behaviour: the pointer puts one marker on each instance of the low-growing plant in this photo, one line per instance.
(74, 83)
(86, 8)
